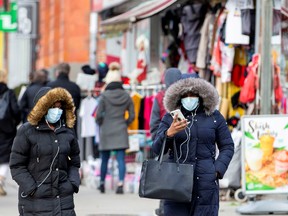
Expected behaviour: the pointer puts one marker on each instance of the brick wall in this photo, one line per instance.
(64, 32)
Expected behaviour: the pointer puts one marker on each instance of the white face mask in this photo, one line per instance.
(53, 115)
(190, 103)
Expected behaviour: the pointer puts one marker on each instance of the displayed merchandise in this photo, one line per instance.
(140, 73)
(166, 180)
(248, 91)
(248, 18)
(234, 25)
(276, 22)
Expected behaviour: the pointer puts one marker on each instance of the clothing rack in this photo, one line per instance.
(145, 89)
(142, 89)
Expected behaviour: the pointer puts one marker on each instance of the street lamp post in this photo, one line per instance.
(266, 59)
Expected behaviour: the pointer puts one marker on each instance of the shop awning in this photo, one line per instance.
(142, 11)
(284, 11)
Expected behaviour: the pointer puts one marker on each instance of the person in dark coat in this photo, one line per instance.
(62, 71)
(195, 139)
(158, 111)
(8, 127)
(39, 79)
(45, 158)
(113, 104)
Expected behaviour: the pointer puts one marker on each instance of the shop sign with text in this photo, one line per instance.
(265, 154)
(8, 19)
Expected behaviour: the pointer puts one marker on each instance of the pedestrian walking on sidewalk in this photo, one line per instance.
(114, 101)
(9, 119)
(62, 73)
(45, 157)
(38, 80)
(195, 139)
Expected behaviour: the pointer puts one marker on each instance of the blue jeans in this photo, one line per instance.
(120, 157)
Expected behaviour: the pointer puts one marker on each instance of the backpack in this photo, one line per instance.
(4, 107)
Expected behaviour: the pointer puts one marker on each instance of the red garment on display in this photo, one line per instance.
(238, 75)
(148, 103)
(278, 92)
(125, 80)
(248, 91)
(140, 66)
(159, 97)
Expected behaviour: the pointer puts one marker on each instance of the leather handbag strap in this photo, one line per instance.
(160, 157)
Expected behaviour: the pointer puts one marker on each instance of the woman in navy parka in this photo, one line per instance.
(196, 139)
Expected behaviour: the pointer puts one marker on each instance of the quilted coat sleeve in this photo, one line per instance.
(131, 112)
(155, 118)
(15, 108)
(161, 133)
(19, 159)
(74, 157)
(225, 145)
(100, 111)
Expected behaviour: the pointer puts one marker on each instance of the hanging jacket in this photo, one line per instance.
(192, 18)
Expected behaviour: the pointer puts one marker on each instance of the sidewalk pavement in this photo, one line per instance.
(89, 202)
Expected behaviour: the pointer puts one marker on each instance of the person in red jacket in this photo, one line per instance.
(158, 111)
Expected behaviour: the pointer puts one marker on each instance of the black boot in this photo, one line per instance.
(102, 188)
(119, 190)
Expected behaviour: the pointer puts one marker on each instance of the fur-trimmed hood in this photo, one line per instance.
(201, 87)
(47, 100)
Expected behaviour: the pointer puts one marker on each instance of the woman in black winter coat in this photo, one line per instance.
(9, 119)
(45, 158)
(195, 140)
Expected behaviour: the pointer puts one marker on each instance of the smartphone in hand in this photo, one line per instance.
(180, 115)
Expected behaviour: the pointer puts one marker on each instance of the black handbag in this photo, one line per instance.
(166, 180)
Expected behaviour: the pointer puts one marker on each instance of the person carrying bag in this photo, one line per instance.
(194, 139)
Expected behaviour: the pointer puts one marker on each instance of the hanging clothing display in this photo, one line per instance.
(148, 103)
(203, 53)
(136, 98)
(234, 25)
(192, 18)
(88, 124)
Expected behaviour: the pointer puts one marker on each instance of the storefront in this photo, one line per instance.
(217, 45)
(223, 45)
(141, 22)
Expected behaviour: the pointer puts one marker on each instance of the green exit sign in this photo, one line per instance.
(8, 19)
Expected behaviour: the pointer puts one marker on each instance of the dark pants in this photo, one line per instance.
(174, 208)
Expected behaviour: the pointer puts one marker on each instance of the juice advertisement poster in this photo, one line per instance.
(264, 154)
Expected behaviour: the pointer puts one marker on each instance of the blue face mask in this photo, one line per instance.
(190, 103)
(53, 115)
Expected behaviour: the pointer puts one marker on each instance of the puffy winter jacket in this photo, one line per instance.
(197, 144)
(45, 163)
